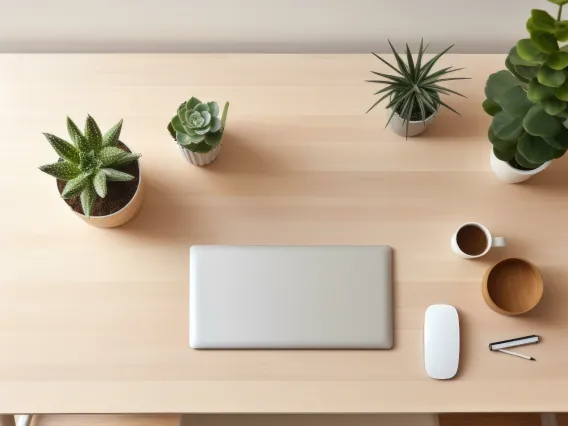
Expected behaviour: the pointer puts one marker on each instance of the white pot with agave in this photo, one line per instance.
(198, 130)
(414, 92)
(98, 176)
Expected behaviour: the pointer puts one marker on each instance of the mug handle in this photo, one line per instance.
(499, 242)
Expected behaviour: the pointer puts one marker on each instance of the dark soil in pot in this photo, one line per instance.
(118, 195)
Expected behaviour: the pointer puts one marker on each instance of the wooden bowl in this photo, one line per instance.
(513, 287)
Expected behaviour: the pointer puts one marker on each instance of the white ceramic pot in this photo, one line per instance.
(201, 159)
(511, 175)
(398, 125)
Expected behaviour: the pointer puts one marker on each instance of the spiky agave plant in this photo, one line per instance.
(89, 162)
(414, 93)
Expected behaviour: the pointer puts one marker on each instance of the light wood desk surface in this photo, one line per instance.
(95, 320)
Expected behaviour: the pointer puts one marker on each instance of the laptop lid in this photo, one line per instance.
(291, 297)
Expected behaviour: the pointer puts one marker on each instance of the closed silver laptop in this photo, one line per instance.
(291, 297)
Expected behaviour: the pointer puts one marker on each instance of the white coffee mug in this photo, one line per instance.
(473, 240)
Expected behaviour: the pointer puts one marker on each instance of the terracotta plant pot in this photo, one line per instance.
(509, 174)
(398, 125)
(201, 159)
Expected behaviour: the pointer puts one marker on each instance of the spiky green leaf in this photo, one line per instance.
(100, 183)
(130, 157)
(109, 155)
(111, 137)
(62, 170)
(88, 198)
(93, 136)
(76, 136)
(116, 175)
(76, 185)
(64, 149)
(224, 116)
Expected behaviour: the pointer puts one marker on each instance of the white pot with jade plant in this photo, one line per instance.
(528, 101)
(98, 176)
(199, 131)
(414, 92)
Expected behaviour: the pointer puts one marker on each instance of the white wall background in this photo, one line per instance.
(260, 25)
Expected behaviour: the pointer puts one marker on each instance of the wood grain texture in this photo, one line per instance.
(96, 320)
(494, 419)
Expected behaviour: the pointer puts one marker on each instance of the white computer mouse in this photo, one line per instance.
(441, 341)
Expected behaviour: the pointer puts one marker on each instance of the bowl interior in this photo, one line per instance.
(515, 285)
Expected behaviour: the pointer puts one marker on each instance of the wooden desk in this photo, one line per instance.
(95, 320)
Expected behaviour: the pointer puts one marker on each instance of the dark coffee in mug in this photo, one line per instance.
(472, 240)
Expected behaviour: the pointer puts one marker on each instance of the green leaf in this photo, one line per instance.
(549, 77)
(559, 2)
(505, 155)
(100, 184)
(410, 62)
(541, 20)
(515, 59)
(524, 162)
(213, 139)
(386, 63)
(111, 137)
(213, 108)
(561, 32)
(192, 103)
(62, 170)
(76, 185)
(537, 92)
(430, 64)
(116, 175)
(500, 144)
(506, 127)
(171, 130)
(88, 197)
(490, 107)
(177, 124)
(128, 158)
(538, 123)
(536, 150)
(558, 61)
(201, 108)
(181, 112)
(562, 92)
(527, 73)
(76, 136)
(553, 106)
(216, 123)
(93, 136)
(513, 70)
(546, 42)
(201, 147)
(421, 52)
(560, 140)
(63, 148)
(224, 116)
(498, 83)
(401, 65)
(515, 103)
(109, 155)
(528, 51)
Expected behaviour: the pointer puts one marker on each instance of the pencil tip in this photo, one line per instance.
(532, 359)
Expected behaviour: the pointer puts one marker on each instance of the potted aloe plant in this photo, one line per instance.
(528, 101)
(414, 92)
(98, 176)
(198, 130)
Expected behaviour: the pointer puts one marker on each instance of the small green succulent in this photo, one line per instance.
(414, 93)
(197, 127)
(88, 162)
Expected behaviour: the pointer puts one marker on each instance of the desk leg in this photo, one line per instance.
(7, 420)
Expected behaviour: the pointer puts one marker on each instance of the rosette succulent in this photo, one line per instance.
(197, 127)
(529, 100)
(89, 161)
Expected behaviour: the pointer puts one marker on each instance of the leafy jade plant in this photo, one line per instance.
(529, 100)
(414, 93)
(89, 162)
(197, 127)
